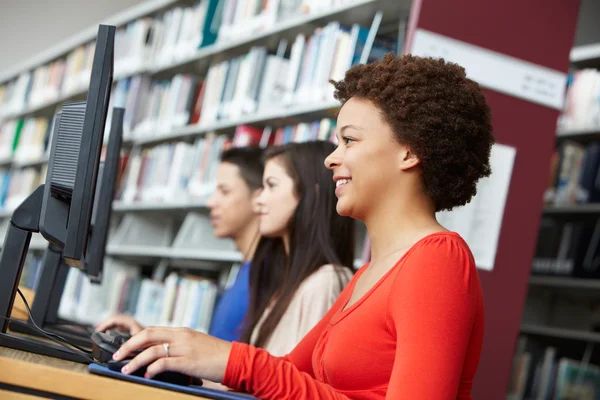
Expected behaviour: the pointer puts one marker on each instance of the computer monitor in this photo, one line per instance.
(54, 271)
(61, 209)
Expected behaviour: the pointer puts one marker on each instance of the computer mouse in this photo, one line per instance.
(175, 378)
(123, 336)
(105, 345)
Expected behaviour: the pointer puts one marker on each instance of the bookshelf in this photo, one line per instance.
(121, 207)
(588, 134)
(154, 238)
(274, 118)
(348, 13)
(586, 55)
(564, 282)
(561, 333)
(136, 262)
(148, 7)
(586, 210)
(559, 329)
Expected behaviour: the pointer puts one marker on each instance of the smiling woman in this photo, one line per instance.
(303, 260)
(415, 138)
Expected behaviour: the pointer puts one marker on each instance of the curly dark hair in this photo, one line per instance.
(438, 112)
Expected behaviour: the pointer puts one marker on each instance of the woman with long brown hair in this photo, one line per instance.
(304, 258)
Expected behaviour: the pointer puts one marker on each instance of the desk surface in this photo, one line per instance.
(66, 378)
(47, 374)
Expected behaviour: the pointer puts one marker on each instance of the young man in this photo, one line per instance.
(239, 181)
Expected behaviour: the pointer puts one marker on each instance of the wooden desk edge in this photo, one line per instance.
(78, 385)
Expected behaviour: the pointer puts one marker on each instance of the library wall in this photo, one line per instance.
(540, 32)
(35, 23)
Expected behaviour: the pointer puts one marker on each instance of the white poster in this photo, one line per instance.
(479, 222)
(496, 71)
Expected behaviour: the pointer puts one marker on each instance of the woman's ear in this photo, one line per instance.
(407, 158)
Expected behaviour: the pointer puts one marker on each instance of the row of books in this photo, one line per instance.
(17, 184)
(574, 174)
(253, 83)
(152, 42)
(155, 104)
(62, 77)
(539, 372)
(188, 170)
(568, 248)
(24, 140)
(31, 271)
(582, 102)
(178, 300)
(176, 33)
(173, 172)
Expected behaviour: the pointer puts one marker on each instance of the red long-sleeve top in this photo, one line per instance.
(416, 334)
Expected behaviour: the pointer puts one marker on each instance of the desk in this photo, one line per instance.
(56, 378)
(41, 376)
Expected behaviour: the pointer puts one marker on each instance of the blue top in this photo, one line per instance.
(232, 307)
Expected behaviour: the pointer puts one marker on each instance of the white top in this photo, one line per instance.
(314, 297)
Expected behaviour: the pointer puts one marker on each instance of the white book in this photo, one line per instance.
(208, 304)
(275, 75)
(296, 61)
(193, 298)
(181, 302)
(170, 292)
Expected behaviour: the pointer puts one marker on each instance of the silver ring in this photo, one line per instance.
(166, 346)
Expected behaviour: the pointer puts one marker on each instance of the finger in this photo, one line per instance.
(146, 357)
(104, 325)
(135, 329)
(146, 338)
(162, 365)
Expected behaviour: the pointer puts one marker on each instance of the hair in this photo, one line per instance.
(435, 110)
(318, 235)
(250, 163)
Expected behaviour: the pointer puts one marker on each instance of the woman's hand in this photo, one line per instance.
(121, 321)
(189, 352)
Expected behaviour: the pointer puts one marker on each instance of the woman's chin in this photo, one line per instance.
(271, 233)
(343, 209)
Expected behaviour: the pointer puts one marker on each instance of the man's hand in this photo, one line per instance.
(122, 322)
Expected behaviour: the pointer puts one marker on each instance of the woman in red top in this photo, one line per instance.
(414, 139)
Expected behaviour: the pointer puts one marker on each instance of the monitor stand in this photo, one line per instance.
(46, 302)
(24, 221)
